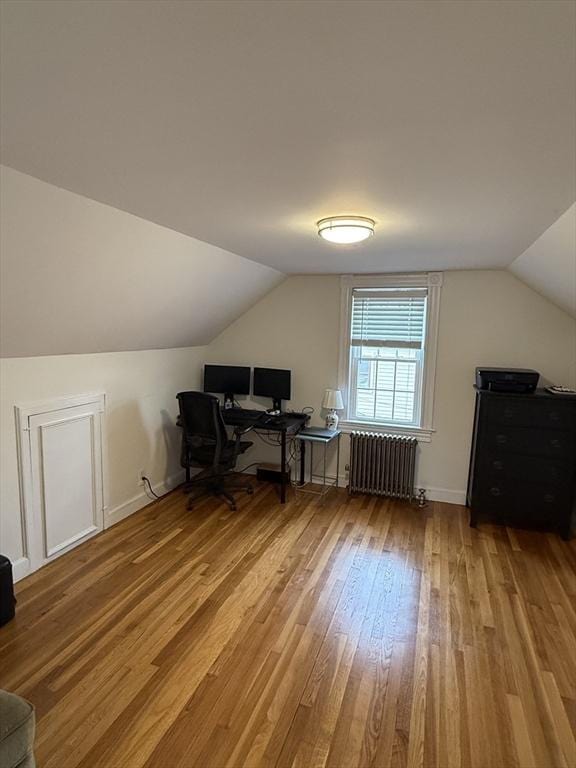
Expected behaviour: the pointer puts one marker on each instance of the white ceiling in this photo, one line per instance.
(241, 123)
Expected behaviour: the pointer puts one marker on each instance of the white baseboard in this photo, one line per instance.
(319, 479)
(128, 508)
(20, 568)
(447, 495)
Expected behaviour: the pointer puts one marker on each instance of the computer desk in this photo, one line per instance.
(289, 426)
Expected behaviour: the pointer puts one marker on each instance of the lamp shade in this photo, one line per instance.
(333, 399)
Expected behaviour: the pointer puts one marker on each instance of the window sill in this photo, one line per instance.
(421, 434)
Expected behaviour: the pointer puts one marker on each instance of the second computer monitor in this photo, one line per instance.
(274, 383)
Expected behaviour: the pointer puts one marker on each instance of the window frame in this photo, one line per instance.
(419, 377)
(432, 281)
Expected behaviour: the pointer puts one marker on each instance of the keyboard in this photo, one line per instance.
(273, 421)
(240, 416)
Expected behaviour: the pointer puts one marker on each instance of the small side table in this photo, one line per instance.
(311, 436)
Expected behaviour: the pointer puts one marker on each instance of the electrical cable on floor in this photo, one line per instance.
(147, 482)
(240, 471)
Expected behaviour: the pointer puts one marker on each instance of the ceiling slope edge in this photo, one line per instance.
(78, 276)
(548, 266)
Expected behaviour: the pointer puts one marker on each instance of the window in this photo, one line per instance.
(388, 351)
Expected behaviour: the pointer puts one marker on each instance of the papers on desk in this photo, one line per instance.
(318, 433)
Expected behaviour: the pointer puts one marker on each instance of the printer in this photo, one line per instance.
(523, 380)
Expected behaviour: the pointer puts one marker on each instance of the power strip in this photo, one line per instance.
(300, 414)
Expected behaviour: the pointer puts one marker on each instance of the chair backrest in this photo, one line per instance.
(202, 423)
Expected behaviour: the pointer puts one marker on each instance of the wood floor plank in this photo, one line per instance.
(357, 633)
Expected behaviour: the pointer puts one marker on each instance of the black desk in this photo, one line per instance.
(287, 426)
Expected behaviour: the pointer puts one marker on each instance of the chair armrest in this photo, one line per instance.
(239, 433)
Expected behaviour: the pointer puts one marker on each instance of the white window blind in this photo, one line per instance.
(388, 318)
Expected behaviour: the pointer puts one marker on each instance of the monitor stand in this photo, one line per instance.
(276, 409)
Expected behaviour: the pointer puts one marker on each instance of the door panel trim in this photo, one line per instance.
(31, 418)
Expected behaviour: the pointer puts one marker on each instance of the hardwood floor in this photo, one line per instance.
(365, 632)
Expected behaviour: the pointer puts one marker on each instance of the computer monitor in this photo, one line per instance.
(228, 380)
(274, 383)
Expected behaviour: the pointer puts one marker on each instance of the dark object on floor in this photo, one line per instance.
(523, 462)
(205, 444)
(271, 473)
(7, 599)
(17, 725)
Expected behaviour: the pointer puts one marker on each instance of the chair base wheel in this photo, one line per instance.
(221, 489)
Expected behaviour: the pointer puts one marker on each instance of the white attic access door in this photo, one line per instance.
(60, 456)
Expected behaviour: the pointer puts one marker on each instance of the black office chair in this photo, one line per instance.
(205, 444)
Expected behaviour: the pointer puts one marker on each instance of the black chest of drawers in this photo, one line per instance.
(523, 461)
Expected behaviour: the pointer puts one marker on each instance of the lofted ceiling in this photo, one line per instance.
(77, 276)
(549, 264)
(242, 123)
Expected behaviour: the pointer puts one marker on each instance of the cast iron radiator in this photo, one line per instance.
(382, 464)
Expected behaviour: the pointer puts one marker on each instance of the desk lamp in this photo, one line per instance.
(333, 402)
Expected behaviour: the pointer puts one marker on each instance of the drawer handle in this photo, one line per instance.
(508, 413)
(501, 439)
(554, 416)
(555, 443)
(495, 491)
(549, 498)
(498, 465)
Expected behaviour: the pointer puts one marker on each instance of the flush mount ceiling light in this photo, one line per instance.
(346, 229)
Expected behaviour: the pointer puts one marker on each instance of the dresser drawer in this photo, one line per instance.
(527, 440)
(524, 412)
(544, 505)
(499, 496)
(496, 466)
(527, 503)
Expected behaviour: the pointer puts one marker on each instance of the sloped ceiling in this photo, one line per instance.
(241, 123)
(549, 264)
(79, 276)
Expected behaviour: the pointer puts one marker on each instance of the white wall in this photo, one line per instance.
(549, 264)
(140, 418)
(487, 318)
(77, 276)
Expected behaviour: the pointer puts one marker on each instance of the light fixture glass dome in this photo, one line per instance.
(346, 229)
